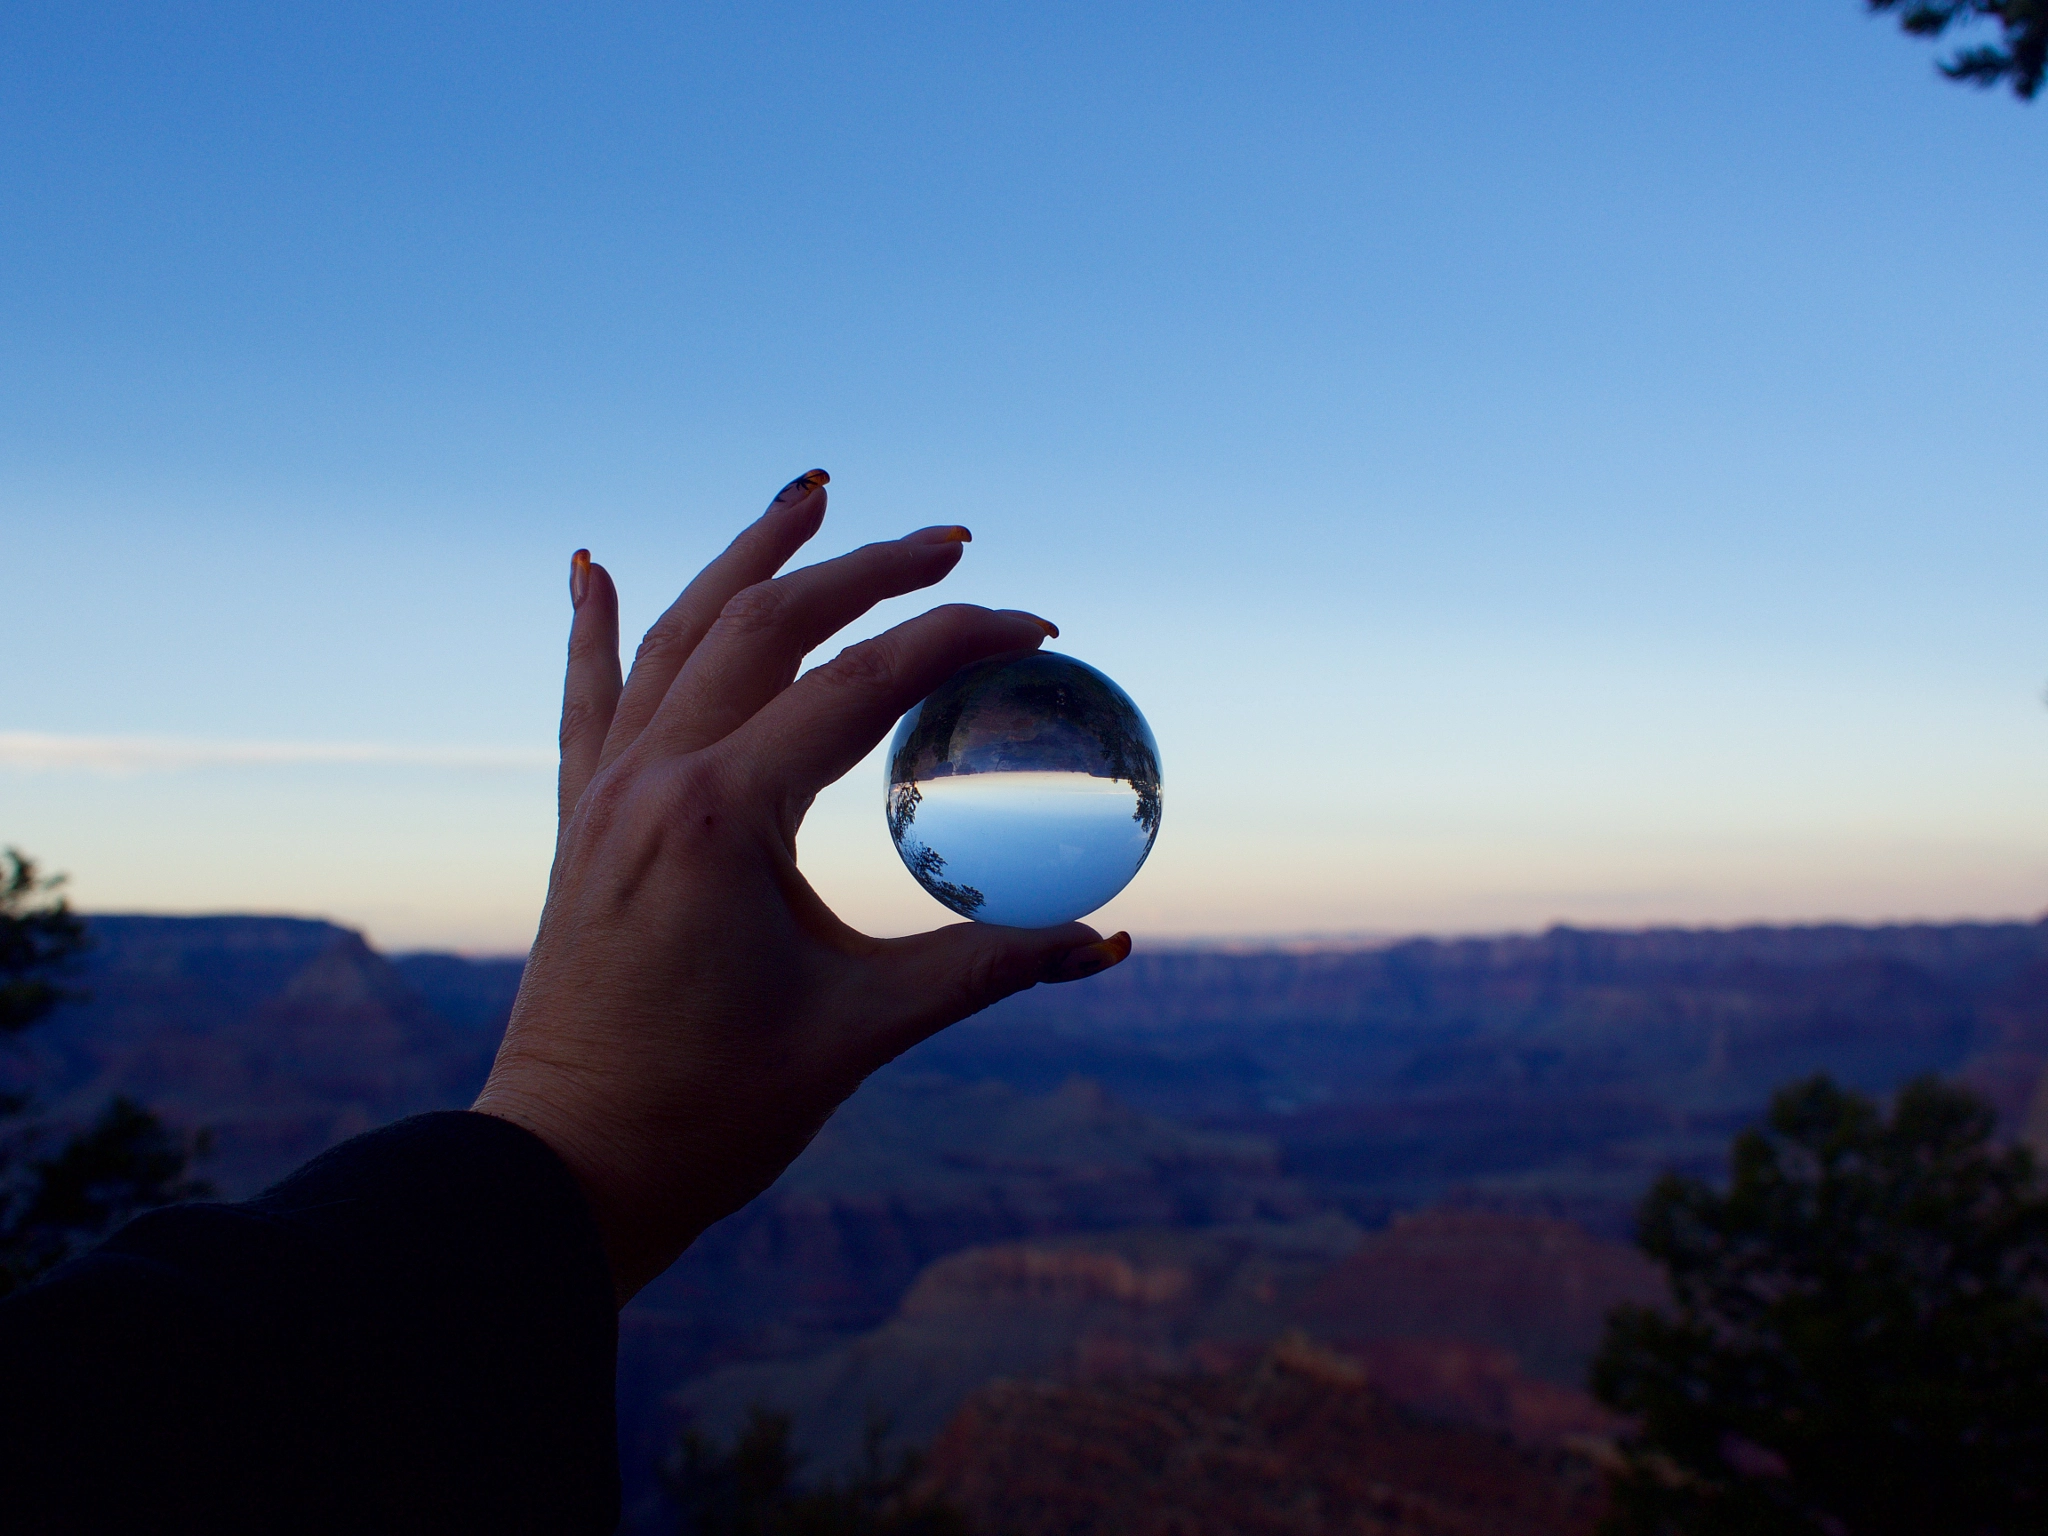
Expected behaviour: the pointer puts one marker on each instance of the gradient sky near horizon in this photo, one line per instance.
(1578, 462)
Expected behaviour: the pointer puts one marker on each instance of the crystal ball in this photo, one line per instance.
(1024, 790)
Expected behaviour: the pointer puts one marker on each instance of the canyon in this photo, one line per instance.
(1420, 1159)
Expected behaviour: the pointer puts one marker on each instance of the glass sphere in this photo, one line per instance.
(1025, 790)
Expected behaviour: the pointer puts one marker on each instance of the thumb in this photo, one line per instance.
(930, 980)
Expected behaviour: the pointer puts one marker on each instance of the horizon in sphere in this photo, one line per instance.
(1024, 790)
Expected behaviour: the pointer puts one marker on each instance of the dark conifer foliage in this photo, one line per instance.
(753, 1489)
(54, 1204)
(52, 1207)
(39, 936)
(2019, 56)
(1857, 1339)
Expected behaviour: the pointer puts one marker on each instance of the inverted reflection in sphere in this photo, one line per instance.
(1025, 790)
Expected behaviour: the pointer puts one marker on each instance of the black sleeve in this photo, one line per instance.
(414, 1332)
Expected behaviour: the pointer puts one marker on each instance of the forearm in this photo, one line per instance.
(415, 1331)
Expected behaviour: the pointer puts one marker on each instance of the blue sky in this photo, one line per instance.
(1566, 463)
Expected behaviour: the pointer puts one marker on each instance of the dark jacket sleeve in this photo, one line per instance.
(414, 1332)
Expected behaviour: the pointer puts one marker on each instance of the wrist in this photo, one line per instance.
(537, 1110)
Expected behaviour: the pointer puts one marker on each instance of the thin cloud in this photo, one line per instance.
(122, 756)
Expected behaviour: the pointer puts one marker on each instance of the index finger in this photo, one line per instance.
(830, 718)
(760, 550)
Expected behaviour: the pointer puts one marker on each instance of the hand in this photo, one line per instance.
(692, 1011)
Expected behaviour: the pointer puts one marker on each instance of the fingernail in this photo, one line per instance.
(803, 485)
(954, 535)
(1089, 959)
(1052, 630)
(579, 578)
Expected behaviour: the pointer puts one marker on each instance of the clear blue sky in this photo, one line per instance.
(1569, 462)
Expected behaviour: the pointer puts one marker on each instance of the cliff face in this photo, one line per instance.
(1301, 1443)
(1140, 1301)
(914, 1168)
(281, 1035)
(1461, 1316)
(1536, 1289)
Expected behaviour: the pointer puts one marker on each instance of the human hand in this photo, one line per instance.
(691, 1011)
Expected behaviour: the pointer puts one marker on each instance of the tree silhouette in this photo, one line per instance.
(904, 800)
(2019, 57)
(54, 1204)
(927, 865)
(36, 942)
(1857, 1340)
(753, 1489)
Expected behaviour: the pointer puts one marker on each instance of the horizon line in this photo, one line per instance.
(128, 756)
(1360, 941)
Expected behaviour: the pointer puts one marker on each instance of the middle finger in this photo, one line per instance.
(752, 653)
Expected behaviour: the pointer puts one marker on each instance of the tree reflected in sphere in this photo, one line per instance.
(1024, 790)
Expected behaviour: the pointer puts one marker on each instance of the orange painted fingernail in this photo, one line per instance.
(939, 536)
(803, 485)
(1089, 959)
(1052, 630)
(579, 578)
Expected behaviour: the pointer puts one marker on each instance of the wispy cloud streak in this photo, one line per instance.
(122, 756)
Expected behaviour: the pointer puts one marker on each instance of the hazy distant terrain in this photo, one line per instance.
(1560, 1068)
(281, 1035)
(1551, 1072)
(1155, 1172)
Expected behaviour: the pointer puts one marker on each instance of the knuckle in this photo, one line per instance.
(956, 619)
(690, 791)
(751, 610)
(587, 641)
(888, 555)
(578, 717)
(660, 643)
(866, 666)
(986, 977)
(603, 803)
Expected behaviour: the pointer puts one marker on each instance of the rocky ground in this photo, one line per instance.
(1300, 1443)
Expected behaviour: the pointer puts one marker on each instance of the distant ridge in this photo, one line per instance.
(1372, 940)
(280, 1035)
(1367, 940)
